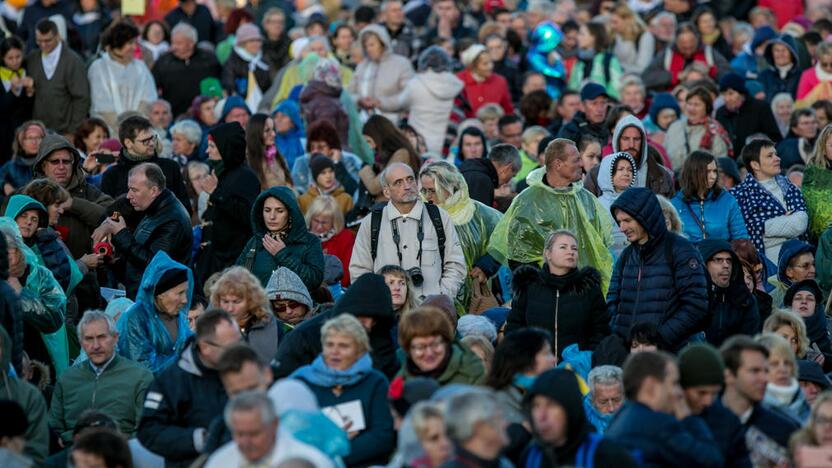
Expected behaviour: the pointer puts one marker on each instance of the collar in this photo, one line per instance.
(747, 415)
(100, 369)
(55, 52)
(415, 213)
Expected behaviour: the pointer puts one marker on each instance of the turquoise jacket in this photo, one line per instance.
(720, 216)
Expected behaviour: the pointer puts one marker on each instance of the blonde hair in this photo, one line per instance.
(781, 317)
(635, 26)
(806, 435)
(778, 346)
(325, 205)
(446, 179)
(347, 324)
(818, 156)
(421, 413)
(535, 131)
(238, 281)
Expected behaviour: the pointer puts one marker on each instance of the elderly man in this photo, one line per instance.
(663, 72)
(105, 381)
(160, 114)
(477, 429)
(165, 226)
(60, 162)
(605, 397)
(178, 73)
(399, 28)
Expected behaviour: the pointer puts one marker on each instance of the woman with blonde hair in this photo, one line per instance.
(239, 293)
(634, 44)
(817, 184)
(401, 289)
(325, 220)
(790, 327)
(817, 433)
(783, 391)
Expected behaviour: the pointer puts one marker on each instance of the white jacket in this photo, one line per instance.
(430, 97)
(119, 88)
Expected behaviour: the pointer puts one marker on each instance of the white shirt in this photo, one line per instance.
(50, 61)
(119, 88)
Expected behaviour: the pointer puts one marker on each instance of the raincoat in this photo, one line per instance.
(609, 195)
(142, 335)
(540, 209)
(817, 192)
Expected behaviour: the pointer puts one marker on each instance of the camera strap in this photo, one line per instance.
(420, 236)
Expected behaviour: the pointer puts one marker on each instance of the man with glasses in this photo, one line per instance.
(187, 395)
(62, 92)
(795, 264)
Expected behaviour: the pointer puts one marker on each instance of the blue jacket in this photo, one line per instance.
(16, 172)
(719, 215)
(662, 440)
(770, 77)
(142, 335)
(661, 281)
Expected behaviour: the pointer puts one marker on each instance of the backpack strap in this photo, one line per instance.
(436, 218)
(375, 229)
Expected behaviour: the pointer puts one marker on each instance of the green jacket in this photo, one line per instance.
(118, 391)
(464, 367)
(597, 74)
(32, 402)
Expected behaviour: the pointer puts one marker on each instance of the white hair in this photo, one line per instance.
(465, 410)
(605, 375)
(185, 29)
(91, 316)
(254, 400)
(189, 129)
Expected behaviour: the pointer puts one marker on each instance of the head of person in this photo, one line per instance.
(439, 181)
(11, 53)
(475, 422)
(510, 128)
(804, 297)
(274, 23)
(160, 114)
(733, 90)
(15, 250)
(822, 153)
(344, 341)
(101, 448)
(592, 36)
(216, 330)
(171, 295)
(663, 26)
(28, 138)
(606, 387)
(401, 288)
(428, 423)
(248, 38)
(374, 42)
(488, 115)
(761, 159)
(186, 136)
(15, 425)
(47, 36)
(796, 262)
(472, 144)
(686, 40)
(652, 379)
(639, 225)
(804, 123)
(183, 40)
(561, 252)
(782, 363)
(90, 134)
(434, 58)
(506, 160)
(623, 169)
(824, 56)
(198, 307)
(590, 150)
(145, 183)
(746, 368)
(535, 107)
(119, 40)
(812, 380)
(324, 217)
(29, 215)
(782, 106)
(385, 140)
(137, 137)
(563, 162)
(239, 293)
(629, 135)
(701, 375)
(520, 358)
(481, 346)
(532, 137)
(569, 103)
(789, 326)
(241, 370)
(477, 61)
(98, 336)
(57, 160)
(253, 422)
(633, 93)
(288, 296)
(398, 183)
(823, 111)
(594, 102)
(664, 110)
(426, 335)
(698, 105)
(700, 176)
(51, 195)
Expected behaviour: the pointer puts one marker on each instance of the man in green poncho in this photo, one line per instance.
(555, 200)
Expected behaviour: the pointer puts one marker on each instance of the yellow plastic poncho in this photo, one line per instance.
(537, 211)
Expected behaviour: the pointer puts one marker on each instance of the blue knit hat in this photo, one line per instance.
(733, 81)
(762, 35)
(662, 101)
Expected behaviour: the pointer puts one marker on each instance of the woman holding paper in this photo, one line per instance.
(350, 391)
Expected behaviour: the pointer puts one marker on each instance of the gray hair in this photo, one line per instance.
(253, 400)
(423, 411)
(605, 375)
(743, 28)
(390, 167)
(470, 325)
(348, 325)
(505, 154)
(91, 316)
(186, 30)
(445, 176)
(544, 7)
(661, 16)
(189, 129)
(162, 102)
(633, 80)
(780, 97)
(465, 410)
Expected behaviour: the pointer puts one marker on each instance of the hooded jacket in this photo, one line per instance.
(790, 249)
(650, 173)
(816, 324)
(290, 144)
(580, 126)
(88, 201)
(609, 194)
(719, 215)
(10, 317)
(571, 307)
(227, 224)
(302, 254)
(732, 310)
(661, 281)
(561, 387)
(430, 98)
(142, 335)
(481, 177)
(771, 78)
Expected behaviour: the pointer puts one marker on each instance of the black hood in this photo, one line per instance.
(481, 165)
(230, 139)
(561, 386)
(644, 207)
(738, 292)
(368, 296)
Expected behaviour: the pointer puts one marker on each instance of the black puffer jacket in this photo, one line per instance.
(731, 310)
(571, 307)
(228, 226)
(661, 281)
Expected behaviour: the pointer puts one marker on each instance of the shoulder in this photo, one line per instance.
(588, 278)
(524, 276)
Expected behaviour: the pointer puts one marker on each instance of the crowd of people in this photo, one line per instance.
(339, 234)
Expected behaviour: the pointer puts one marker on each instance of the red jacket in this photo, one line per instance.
(493, 90)
(341, 246)
(783, 11)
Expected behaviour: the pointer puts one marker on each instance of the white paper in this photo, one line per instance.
(344, 413)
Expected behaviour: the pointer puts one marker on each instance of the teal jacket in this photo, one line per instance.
(117, 391)
(142, 335)
(302, 254)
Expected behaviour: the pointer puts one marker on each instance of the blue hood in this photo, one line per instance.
(790, 249)
(786, 40)
(292, 110)
(643, 205)
(233, 102)
(160, 264)
(18, 204)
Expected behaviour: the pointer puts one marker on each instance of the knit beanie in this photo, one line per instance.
(469, 56)
(808, 285)
(247, 32)
(170, 279)
(700, 364)
(318, 163)
(284, 284)
(733, 81)
(368, 296)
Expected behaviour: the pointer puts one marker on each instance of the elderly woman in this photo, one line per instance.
(350, 390)
(186, 136)
(481, 84)
(426, 335)
(783, 391)
(427, 421)
(782, 106)
(381, 76)
(18, 171)
(325, 219)
(239, 293)
(696, 130)
(153, 331)
(443, 185)
(281, 239)
(790, 326)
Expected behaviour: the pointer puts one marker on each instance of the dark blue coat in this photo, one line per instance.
(770, 77)
(661, 281)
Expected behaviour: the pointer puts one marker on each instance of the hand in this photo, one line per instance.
(272, 245)
(336, 155)
(116, 226)
(92, 261)
(90, 164)
(209, 183)
(15, 284)
(101, 232)
(478, 275)
(789, 213)
(8, 189)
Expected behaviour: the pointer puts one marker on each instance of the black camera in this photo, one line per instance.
(416, 276)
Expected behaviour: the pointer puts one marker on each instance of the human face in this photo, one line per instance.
(155, 33)
(398, 289)
(283, 123)
(607, 398)
(250, 377)
(160, 115)
(344, 39)
(733, 99)
(290, 312)
(144, 144)
(55, 211)
(428, 189)
(340, 351)
(17, 262)
(585, 39)
(631, 141)
(570, 106)
(393, 14)
(701, 397)
(97, 341)
(446, 10)
(31, 139)
(58, 166)
(46, 42)
(669, 390)
(804, 303)
(810, 390)
(512, 134)
(13, 59)
(81, 459)
(789, 335)
(823, 425)
(254, 438)
(182, 46)
(706, 24)
(687, 44)
(373, 47)
(782, 56)
(326, 179)
(549, 420)
(181, 145)
(402, 186)
(807, 127)
(483, 66)
(780, 370)
(435, 442)
(206, 113)
(236, 306)
(274, 25)
(193, 315)
(801, 267)
(569, 168)
(496, 48)
(28, 222)
(173, 300)
(428, 352)
(591, 156)
(321, 224)
(544, 360)
(562, 255)
(239, 115)
(769, 164)
(124, 54)
(665, 118)
(93, 141)
(720, 267)
(210, 349)
(253, 46)
(633, 97)
(275, 215)
(140, 193)
(635, 233)
(623, 176)
(472, 147)
(783, 109)
(320, 147)
(713, 174)
(695, 109)
(535, 82)
(825, 62)
(596, 109)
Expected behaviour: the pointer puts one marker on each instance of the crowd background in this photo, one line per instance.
(415, 233)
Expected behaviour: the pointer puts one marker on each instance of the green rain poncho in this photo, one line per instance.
(817, 191)
(539, 210)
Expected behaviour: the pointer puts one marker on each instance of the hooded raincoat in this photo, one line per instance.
(142, 335)
(291, 144)
(302, 254)
(609, 194)
(540, 209)
(430, 98)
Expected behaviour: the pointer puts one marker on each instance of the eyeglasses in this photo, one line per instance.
(33, 138)
(148, 140)
(427, 191)
(805, 266)
(281, 306)
(436, 346)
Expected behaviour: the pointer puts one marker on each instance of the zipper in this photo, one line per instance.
(557, 308)
(94, 391)
(702, 211)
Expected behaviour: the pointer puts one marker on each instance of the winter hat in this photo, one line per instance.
(328, 71)
(810, 371)
(469, 56)
(210, 87)
(233, 102)
(805, 285)
(733, 81)
(592, 90)
(15, 423)
(111, 144)
(318, 163)
(729, 167)
(170, 279)
(368, 296)
(284, 284)
(700, 364)
(662, 101)
(444, 303)
(560, 386)
(762, 35)
(333, 269)
(247, 32)
(402, 395)
(471, 324)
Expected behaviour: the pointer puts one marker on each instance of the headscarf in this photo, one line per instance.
(290, 144)
(328, 71)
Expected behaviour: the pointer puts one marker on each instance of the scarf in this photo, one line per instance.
(253, 60)
(217, 165)
(821, 74)
(459, 206)
(523, 381)
(83, 19)
(7, 74)
(319, 374)
(325, 236)
(156, 50)
(714, 129)
(758, 205)
(270, 153)
(782, 395)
